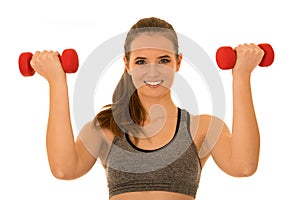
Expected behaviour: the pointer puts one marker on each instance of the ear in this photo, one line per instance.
(179, 59)
(126, 65)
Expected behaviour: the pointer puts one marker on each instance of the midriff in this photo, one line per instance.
(150, 195)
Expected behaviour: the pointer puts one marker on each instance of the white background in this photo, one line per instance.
(36, 25)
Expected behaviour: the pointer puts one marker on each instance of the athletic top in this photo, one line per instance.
(175, 167)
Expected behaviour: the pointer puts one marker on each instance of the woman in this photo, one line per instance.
(149, 147)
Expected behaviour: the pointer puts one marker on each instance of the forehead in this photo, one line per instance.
(154, 42)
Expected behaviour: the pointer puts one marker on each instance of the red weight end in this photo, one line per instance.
(225, 57)
(24, 64)
(268, 58)
(69, 61)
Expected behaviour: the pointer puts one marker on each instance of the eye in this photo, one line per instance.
(164, 61)
(140, 62)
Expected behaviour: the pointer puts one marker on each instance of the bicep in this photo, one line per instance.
(212, 138)
(222, 150)
(85, 160)
(92, 143)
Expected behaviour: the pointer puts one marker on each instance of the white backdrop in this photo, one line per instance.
(37, 25)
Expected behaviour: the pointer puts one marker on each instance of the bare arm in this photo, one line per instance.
(237, 154)
(245, 132)
(67, 159)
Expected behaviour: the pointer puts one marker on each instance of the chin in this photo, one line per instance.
(153, 93)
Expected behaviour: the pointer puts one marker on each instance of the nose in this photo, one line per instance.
(153, 70)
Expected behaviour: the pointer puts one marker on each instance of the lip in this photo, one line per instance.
(153, 84)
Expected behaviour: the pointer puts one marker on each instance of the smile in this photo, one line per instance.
(153, 83)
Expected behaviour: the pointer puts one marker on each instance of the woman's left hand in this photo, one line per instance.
(248, 57)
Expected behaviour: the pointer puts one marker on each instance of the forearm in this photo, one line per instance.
(60, 139)
(245, 140)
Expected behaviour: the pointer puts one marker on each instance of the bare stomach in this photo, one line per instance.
(151, 195)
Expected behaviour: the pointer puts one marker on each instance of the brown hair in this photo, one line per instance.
(126, 112)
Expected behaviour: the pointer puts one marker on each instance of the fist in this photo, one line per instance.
(47, 64)
(248, 57)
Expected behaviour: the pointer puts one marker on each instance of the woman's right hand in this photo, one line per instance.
(48, 65)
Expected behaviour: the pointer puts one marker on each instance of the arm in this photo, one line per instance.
(245, 133)
(237, 154)
(67, 159)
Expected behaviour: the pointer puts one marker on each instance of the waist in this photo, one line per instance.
(150, 195)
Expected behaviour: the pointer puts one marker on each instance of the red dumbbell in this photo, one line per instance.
(226, 56)
(68, 59)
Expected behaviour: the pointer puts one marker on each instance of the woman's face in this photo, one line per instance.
(152, 64)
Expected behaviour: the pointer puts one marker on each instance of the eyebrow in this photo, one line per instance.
(140, 58)
(165, 56)
(160, 57)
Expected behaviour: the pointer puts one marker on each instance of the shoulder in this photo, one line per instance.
(199, 124)
(206, 130)
(204, 122)
(93, 130)
(198, 128)
(96, 141)
(109, 135)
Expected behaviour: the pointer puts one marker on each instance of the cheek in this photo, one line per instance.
(137, 76)
(168, 79)
(167, 74)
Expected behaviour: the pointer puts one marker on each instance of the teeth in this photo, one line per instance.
(153, 82)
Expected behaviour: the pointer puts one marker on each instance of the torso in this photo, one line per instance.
(158, 141)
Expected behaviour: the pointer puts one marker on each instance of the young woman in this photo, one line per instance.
(149, 147)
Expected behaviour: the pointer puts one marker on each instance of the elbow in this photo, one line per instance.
(59, 174)
(248, 171)
(245, 171)
(62, 173)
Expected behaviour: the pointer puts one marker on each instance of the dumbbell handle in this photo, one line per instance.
(226, 56)
(68, 59)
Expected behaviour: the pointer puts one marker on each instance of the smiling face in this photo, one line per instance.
(152, 64)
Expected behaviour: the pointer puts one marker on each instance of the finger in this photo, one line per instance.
(254, 46)
(32, 63)
(36, 53)
(241, 48)
(52, 53)
(35, 58)
(55, 53)
(247, 46)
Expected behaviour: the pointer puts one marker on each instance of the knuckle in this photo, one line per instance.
(32, 63)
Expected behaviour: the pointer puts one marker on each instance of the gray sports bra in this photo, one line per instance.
(174, 167)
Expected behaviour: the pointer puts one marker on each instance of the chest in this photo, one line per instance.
(168, 171)
(156, 135)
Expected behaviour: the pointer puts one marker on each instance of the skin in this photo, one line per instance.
(236, 152)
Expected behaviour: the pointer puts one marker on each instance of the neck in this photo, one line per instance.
(158, 107)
